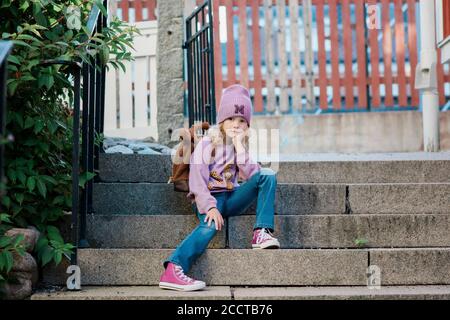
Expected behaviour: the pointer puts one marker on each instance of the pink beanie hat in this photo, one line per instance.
(235, 102)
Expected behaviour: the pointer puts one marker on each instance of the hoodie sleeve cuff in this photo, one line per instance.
(209, 205)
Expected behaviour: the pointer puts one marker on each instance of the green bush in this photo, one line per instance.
(39, 117)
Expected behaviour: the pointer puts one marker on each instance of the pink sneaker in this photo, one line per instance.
(263, 239)
(174, 278)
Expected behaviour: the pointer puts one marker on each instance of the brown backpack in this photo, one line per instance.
(180, 166)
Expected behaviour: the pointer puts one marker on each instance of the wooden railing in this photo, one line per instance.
(130, 109)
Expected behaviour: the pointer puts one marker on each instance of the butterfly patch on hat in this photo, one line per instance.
(239, 108)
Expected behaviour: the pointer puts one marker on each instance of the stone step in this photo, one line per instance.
(254, 293)
(143, 231)
(412, 266)
(399, 198)
(287, 267)
(228, 267)
(132, 293)
(291, 199)
(344, 293)
(293, 231)
(347, 231)
(159, 198)
(302, 168)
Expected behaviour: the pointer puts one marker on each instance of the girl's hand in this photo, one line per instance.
(214, 214)
(238, 140)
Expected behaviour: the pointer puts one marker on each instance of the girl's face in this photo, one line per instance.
(234, 126)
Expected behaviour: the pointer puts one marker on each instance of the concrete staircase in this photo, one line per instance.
(336, 215)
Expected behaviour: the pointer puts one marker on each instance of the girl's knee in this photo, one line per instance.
(268, 173)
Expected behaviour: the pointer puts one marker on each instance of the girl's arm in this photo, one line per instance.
(199, 176)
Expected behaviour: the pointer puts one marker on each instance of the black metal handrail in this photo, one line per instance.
(199, 48)
(5, 49)
(93, 76)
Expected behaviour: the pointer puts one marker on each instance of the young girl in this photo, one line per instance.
(215, 192)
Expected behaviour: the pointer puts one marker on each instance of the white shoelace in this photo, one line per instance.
(263, 235)
(179, 272)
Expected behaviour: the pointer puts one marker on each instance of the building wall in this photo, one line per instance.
(352, 132)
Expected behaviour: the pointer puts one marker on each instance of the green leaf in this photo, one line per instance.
(361, 242)
(26, 37)
(38, 15)
(16, 210)
(58, 257)
(68, 200)
(6, 201)
(84, 177)
(2, 261)
(52, 126)
(46, 80)
(13, 59)
(4, 241)
(122, 66)
(58, 200)
(68, 35)
(53, 234)
(29, 122)
(49, 179)
(11, 175)
(19, 119)
(21, 176)
(102, 8)
(68, 246)
(21, 43)
(19, 198)
(9, 260)
(27, 78)
(24, 6)
(47, 255)
(4, 217)
(31, 64)
(39, 125)
(12, 86)
(31, 183)
(18, 239)
(42, 242)
(41, 187)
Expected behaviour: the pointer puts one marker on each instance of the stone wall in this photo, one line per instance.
(170, 68)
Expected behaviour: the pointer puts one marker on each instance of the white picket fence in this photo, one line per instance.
(130, 102)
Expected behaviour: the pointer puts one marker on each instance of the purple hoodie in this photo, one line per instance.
(207, 175)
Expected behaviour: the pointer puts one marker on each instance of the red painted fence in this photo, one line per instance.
(137, 10)
(446, 18)
(354, 67)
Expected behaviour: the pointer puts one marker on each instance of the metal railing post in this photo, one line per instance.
(200, 65)
(5, 49)
(75, 162)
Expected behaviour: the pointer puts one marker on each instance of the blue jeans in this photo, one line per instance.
(260, 186)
